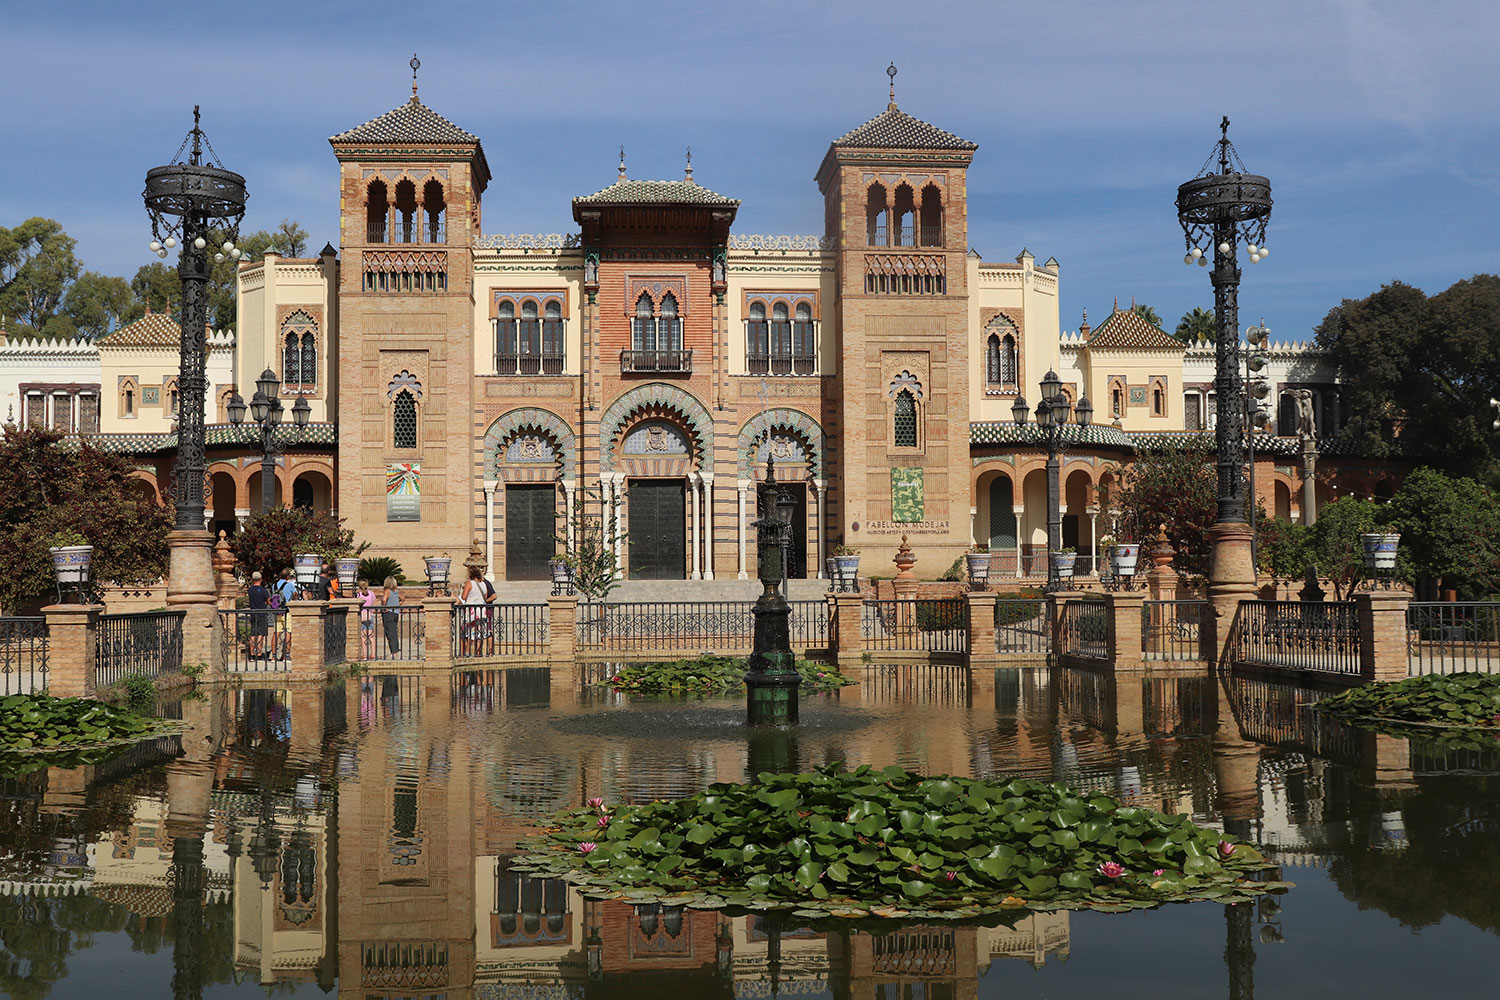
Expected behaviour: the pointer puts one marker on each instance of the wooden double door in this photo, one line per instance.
(531, 529)
(657, 531)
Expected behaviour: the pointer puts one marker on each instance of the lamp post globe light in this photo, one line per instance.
(1052, 422)
(266, 410)
(186, 201)
(1217, 209)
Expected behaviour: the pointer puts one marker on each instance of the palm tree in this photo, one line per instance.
(1197, 325)
(1148, 314)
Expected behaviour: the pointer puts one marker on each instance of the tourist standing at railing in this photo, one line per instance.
(473, 618)
(390, 602)
(259, 601)
(285, 589)
(366, 619)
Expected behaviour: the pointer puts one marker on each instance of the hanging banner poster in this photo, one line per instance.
(403, 491)
(906, 495)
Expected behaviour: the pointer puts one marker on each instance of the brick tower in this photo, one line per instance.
(894, 192)
(410, 186)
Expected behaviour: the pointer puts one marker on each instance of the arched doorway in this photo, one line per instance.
(1002, 525)
(313, 491)
(254, 488)
(1077, 527)
(222, 487)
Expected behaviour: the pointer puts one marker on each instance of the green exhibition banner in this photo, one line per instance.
(906, 495)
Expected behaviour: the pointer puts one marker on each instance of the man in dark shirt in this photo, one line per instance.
(324, 588)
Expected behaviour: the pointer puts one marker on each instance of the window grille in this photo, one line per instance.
(404, 420)
(905, 420)
(669, 334)
(643, 329)
(309, 361)
(291, 361)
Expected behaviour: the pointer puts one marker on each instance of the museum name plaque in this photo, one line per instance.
(905, 528)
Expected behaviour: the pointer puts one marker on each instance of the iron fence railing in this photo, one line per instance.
(1452, 636)
(718, 626)
(808, 625)
(255, 641)
(400, 634)
(545, 363)
(483, 630)
(148, 643)
(937, 626)
(1178, 706)
(1300, 635)
(23, 655)
(1172, 630)
(1022, 626)
(1084, 628)
(632, 362)
(1285, 716)
(335, 636)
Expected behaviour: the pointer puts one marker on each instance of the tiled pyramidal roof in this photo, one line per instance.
(411, 122)
(895, 129)
(1126, 328)
(633, 192)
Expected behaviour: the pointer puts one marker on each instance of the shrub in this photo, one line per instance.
(940, 616)
(377, 568)
(268, 540)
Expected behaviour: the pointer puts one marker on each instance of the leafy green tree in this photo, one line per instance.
(37, 264)
(97, 303)
(1198, 324)
(591, 552)
(1283, 548)
(46, 489)
(1450, 533)
(290, 239)
(1177, 487)
(268, 540)
(1336, 548)
(1148, 314)
(158, 286)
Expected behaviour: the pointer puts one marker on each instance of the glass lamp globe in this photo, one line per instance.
(1223, 248)
(200, 243)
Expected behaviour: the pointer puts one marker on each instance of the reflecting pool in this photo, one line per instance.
(358, 839)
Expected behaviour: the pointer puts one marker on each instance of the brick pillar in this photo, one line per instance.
(305, 619)
(1122, 636)
(562, 628)
(981, 627)
(844, 634)
(906, 589)
(437, 619)
(1382, 634)
(72, 630)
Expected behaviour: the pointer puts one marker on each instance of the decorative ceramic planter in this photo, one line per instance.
(348, 570)
(1062, 564)
(437, 569)
(71, 563)
(847, 572)
(1380, 550)
(562, 576)
(308, 564)
(979, 568)
(1124, 557)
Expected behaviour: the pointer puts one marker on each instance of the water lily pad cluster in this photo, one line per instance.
(714, 675)
(891, 843)
(38, 723)
(1466, 701)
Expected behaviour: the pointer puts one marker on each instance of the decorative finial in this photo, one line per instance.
(1117, 304)
(415, 65)
(197, 137)
(1224, 145)
(622, 163)
(890, 71)
(688, 175)
(1085, 317)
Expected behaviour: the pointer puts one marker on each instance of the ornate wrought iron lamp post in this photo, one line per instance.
(772, 681)
(1258, 387)
(186, 201)
(265, 407)
(1052, 422)
(1217, 209)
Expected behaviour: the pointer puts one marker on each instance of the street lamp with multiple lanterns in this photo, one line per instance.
(1052, 422)
(266, 409)
(1258, 340)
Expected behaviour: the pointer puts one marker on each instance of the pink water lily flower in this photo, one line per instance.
(950, 876)
(1225, 848)
(587, 847)
(603, 821)
(1111, 869)
(596, 803)
(1159, 872)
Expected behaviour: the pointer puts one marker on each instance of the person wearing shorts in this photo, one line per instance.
(286, 588)
(367, 599)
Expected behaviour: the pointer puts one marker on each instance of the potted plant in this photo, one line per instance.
(1380, 550)
(348, 572)
(562, 575)
(1062, 562)
(71, 556)
(437, 569)
(307, 565)
(1123, 557)
(846, 567)
(978, 559)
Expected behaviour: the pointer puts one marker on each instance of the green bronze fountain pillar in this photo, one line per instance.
(772, 681)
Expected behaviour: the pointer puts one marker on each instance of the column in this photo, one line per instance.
(1094, 538)
(743, 486)
(489, 528)
(820, 486)
(569, 489)
(1020, 512)
(617, 505)
(708, 527)
(693, 482)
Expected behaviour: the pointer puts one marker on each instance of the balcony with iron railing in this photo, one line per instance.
(546, 363)
(404, 234)
(651, 362)
(781, 364)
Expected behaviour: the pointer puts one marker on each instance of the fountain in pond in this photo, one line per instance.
(772, 681)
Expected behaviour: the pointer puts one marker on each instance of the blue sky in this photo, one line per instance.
(1376, 121)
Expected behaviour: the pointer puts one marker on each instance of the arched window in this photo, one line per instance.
(781, 340)
(757, 344)
(309, 361)
(992, 361)
(377, 211)
(1010, 362)
(905, 234)
(172, 399)
(552, 338)
(127, 397)
(643, 329)
(804, 342)
(1116, 402)
(877, 216)
(433, 208)
(505, 339)
(932, 216)
(406, 212)
(904, 431)
(531, 339)
(291, 361)
(404, 420)
(669, 332)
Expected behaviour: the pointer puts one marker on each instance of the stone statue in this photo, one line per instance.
(718, 269)
(591, 268)
(1306, 421)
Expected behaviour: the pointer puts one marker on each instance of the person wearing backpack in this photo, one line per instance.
(281, 594)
